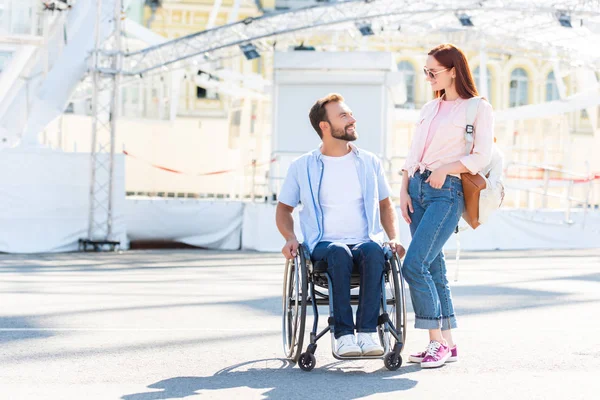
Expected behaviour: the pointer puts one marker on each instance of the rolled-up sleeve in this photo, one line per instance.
(290, 190)
(383, 186)
(483, 141)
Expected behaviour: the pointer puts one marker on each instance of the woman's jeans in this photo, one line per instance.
(341, 259)
(435, 217)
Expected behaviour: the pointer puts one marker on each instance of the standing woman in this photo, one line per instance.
(432, 199)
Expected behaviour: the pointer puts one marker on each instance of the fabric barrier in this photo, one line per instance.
(506, 230)
(44, 200)
(201, 223)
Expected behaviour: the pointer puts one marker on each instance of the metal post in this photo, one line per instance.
(95, 96)
(569, 194)
(587, 193)
(116, 64)
(105, 103)
(253, 190)
(546, 184)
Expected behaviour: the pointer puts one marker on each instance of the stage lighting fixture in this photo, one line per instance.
(564, 19)
(302, 47)
(366, 29)
(465, 20)
(249, 51)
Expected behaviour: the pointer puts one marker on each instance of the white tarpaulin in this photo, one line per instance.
(44, 200)
(72, 65)
(506, 230)
(259, 230)
(201, 223)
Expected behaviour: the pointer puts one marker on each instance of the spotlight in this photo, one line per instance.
(365, 29)
(249, 51)
(465, 20)
(302, 47)
(564, 19)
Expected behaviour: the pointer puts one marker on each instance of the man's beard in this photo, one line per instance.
(343, 134)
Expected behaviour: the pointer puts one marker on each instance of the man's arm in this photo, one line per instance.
(388, 220)
(285, 224)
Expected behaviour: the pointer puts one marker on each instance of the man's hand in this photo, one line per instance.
(290, 249)
(406, 206)
(397, 248)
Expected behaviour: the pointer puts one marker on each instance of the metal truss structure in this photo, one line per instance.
(543, 28)
(105, 99)
(564, 30)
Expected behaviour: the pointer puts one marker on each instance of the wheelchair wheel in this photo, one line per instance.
(295, 289)
(397, 300)
(392, 362)
(307, 361)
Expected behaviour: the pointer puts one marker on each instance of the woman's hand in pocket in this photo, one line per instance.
(437, 178)
(406, 206)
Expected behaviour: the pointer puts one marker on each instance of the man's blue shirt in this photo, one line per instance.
(303, 183)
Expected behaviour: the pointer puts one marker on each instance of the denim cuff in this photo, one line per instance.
(449, 323)
(423, 323)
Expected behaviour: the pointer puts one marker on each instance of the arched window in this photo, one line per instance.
(410, 79)
(551, 87)
(489, 82)
(519, 88)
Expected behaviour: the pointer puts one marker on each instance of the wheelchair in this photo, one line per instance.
(306, 284)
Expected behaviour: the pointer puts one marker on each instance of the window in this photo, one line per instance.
(410, 79)
(584, 114)
(235, 123)
(5, 57)
(551, 87)
(489, 81)
(519, 88)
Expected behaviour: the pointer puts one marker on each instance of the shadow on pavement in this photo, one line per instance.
(281, 380)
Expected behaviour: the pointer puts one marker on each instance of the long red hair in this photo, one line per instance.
(451, 56)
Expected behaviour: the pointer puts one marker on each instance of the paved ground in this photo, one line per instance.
(149, 325)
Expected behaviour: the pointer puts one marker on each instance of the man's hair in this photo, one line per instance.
(318, 113)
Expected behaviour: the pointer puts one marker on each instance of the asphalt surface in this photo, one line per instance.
(172, 324)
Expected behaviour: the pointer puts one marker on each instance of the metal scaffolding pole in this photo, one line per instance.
(106, 73)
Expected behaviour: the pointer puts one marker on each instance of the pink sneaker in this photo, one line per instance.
(417, 358)
(437, 354)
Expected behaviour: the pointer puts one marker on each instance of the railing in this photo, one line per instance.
(261, 181)
(552, 177)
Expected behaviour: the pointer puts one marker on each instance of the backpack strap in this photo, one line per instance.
(472, 106)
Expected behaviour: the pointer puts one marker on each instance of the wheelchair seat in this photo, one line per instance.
(320, 268)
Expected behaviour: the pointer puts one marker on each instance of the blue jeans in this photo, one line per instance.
(368, 258)
(435, 217)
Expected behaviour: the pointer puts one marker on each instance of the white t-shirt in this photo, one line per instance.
(342, 202)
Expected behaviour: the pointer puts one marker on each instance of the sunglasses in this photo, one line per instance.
(432, 74)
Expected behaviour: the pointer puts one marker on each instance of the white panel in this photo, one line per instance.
(294, 131)
(354, 61)
(201, 223)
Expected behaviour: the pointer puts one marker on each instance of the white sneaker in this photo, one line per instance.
(347, 347)
(369, 345)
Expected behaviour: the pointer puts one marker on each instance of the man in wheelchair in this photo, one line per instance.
(346, 208)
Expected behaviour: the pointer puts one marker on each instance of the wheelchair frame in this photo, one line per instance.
(301, 280)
